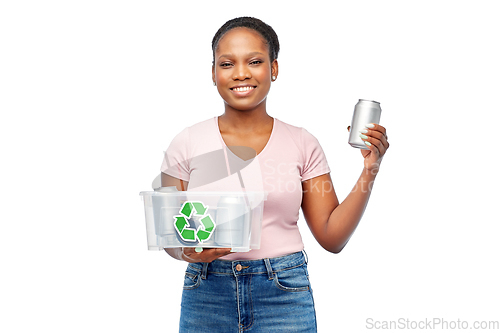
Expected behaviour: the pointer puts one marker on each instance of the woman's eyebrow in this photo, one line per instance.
(251, 54)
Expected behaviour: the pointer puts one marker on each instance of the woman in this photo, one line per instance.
(265, 290)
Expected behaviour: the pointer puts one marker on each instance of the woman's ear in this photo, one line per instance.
(213, 74)
(274, 69)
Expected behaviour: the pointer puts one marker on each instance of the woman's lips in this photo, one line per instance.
(243, 91)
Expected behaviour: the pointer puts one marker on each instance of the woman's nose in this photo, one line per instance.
(241, 73)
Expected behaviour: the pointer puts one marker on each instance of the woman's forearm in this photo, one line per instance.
(346, 216)
(175, 252)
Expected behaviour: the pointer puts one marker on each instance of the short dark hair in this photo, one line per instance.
(255, 24)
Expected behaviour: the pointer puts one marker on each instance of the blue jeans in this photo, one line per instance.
(266, 295)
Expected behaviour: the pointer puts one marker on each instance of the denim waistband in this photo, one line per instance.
(258, 266)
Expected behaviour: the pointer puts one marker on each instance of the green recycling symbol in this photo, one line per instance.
(204, 231)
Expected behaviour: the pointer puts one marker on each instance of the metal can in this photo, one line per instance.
(165, 205)
(365, 112)
(232, 222)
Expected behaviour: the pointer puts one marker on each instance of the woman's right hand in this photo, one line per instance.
(207, 255)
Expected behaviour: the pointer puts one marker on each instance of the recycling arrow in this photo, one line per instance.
(191, 209)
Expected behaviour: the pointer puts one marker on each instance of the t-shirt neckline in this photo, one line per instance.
(268, 140)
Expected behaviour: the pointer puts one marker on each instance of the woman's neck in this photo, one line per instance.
(244, 121)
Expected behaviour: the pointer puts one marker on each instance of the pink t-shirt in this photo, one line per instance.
(198, 154)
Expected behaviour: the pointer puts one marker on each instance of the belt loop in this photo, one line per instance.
(204, 270)
(306, 257)
(269, 268)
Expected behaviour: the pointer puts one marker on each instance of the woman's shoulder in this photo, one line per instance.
(295, 132)
(197, 130)
(202, 125)
(194, 132)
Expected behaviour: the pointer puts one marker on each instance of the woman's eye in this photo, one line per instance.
(255, 62)
(225, 64)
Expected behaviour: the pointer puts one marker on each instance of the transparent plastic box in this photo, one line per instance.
(203, 219)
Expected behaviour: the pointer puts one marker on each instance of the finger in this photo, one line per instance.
(372, 146)
(376, 128)
(348, 128)
(217, 251)
(379, 135)
(378, 145)
(222, 251)
(210, 255)
(188, 251)
(186, 254)
(206, 255)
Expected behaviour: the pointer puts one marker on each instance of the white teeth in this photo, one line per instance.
(242, 88)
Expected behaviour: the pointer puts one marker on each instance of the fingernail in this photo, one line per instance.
(362, 136)
(370, 126)
(363, 131)
(198, 249)
(367, 143)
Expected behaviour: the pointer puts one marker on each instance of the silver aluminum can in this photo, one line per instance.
(365, 112)
(165, 205)
(232, 222)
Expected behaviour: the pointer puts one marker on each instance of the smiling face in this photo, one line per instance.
(243, 69)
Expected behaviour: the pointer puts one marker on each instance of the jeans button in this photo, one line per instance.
(238, 267)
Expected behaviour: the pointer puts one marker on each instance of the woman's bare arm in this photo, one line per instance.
(331, 223)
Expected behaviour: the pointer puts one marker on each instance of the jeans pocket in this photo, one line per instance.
(192, 278)
(292, 280)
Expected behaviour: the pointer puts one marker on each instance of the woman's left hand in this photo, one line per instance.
(375, 138)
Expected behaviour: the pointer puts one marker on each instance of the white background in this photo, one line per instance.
(92, 92)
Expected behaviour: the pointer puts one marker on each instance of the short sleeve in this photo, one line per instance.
(315, 163)
(176, 160)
